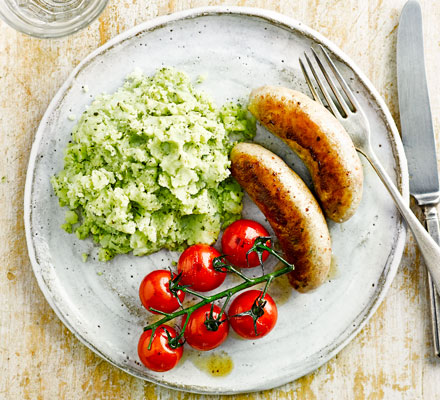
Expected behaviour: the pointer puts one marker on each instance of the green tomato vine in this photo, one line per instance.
(260, 245)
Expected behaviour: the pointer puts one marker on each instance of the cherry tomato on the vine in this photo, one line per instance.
(195, 264)
(154, 292)
(161, 357)
(198, 334)
(244, 324)
(237, 240)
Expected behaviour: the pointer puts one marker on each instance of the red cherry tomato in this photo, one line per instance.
(154, 292)
(198, 335)
(161, 357)
(237, 240)
(244, 325)
(195, 263)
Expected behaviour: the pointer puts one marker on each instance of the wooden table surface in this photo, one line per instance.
(40, 359)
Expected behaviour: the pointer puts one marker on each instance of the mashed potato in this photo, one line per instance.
(147, 167)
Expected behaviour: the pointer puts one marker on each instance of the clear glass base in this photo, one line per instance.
(50, 18)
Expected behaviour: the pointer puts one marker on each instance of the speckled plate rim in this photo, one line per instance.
(393, 261)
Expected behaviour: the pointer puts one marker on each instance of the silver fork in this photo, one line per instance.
(352, 117)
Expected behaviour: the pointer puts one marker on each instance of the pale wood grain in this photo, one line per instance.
(40, 359)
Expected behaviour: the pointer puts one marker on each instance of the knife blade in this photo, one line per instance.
(418, 132)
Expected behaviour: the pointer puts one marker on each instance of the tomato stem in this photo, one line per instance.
(153, 331)
(157, 311)
(175, 343)
(259, 250)
(228, 297)
(187, 290)
(268, 282)
(259, 247)
(212, 323)
(175, 287)
(220, 266)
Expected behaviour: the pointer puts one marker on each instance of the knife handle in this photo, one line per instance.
(429, 249)
(432, 225)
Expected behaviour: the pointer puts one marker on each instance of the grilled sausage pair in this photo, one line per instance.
(292, 211)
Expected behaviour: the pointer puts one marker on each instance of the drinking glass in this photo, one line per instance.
(50, 18)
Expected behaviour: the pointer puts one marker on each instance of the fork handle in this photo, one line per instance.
(428, 247)
(432, 225)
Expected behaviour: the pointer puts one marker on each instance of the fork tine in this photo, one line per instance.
(332, 85)
(341, 80)
(322, 87)
(309, 83)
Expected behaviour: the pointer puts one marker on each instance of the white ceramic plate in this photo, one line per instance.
(237, 49)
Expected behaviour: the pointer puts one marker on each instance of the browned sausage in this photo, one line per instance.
(319, 140)
(291, 210)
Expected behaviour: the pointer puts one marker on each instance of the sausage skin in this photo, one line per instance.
(291, 210)
(319, 140)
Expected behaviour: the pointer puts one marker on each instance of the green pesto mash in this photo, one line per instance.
(147, 167)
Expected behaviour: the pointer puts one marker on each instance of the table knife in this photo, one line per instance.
(418, 133)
